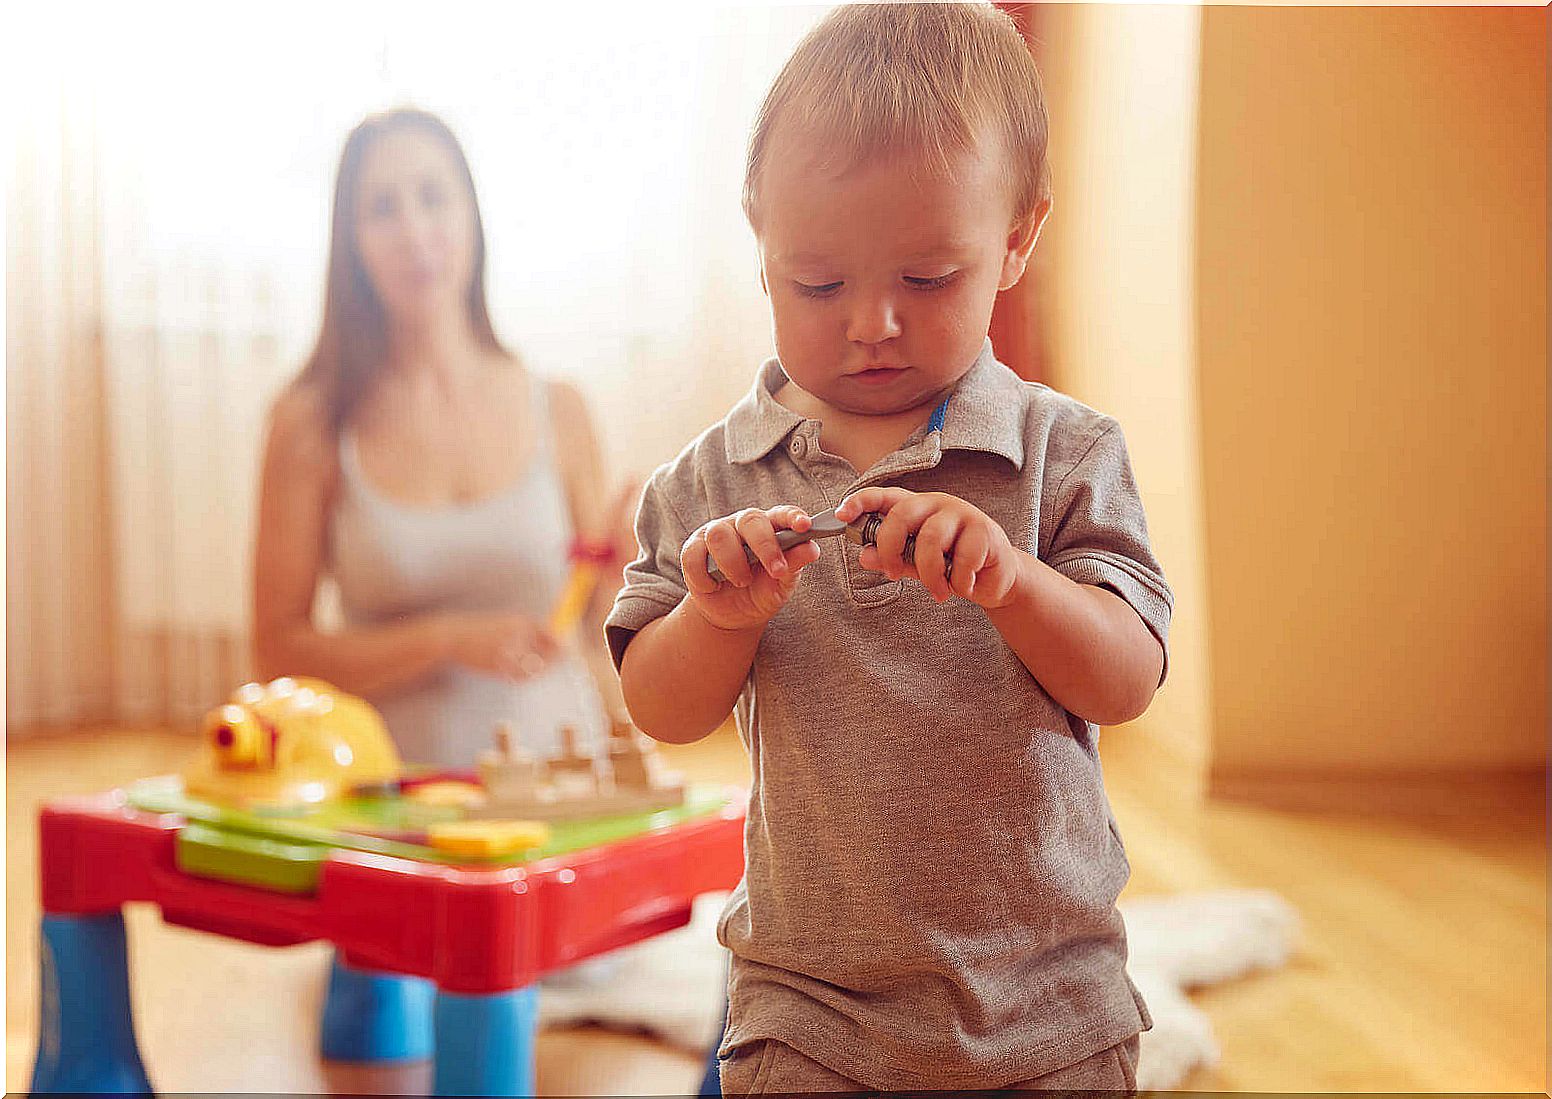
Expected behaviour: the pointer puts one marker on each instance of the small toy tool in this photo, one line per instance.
(588, 561)
(862, 530)
(591, 557)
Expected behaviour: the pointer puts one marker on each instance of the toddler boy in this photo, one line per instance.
(931, 862)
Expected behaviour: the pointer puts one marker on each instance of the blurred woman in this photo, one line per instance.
(439, 482)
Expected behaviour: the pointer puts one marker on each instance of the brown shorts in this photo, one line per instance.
(769, 1067)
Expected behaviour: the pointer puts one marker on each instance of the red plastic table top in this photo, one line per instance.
(468, 929)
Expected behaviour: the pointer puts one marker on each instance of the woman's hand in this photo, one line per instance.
(508, 645)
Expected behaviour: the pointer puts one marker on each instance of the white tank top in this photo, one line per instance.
(506, 552)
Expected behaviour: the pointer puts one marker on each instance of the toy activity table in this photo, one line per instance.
(436, 954)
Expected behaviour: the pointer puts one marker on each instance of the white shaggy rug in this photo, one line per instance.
(672, 985)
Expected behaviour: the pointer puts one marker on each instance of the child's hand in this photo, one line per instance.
(750, 596)
(985, 564)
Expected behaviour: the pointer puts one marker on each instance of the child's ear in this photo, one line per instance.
(1021, 242)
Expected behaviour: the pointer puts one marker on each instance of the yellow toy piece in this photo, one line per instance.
(454, 795)
(290, 743)
(488, 837)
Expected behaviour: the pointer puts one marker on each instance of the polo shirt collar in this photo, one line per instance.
(759, 421)
(984, 412)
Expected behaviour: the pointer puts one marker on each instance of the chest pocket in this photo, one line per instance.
(864, 587)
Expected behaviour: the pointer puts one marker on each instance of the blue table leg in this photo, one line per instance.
(86, 1037)
(369, 1015)
(485, 1043)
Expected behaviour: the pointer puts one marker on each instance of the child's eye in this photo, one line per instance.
(432, 196)
(934, 282)
(821, 291)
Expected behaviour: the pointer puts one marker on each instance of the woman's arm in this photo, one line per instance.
(594, 516)
(296, 488)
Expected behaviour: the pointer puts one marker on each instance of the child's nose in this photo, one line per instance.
(873, 322)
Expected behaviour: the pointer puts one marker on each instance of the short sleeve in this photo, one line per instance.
(654, 584)
(1099, 534)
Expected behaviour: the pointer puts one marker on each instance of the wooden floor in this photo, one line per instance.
(1423, 968)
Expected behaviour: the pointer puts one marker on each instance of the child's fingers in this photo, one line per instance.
(903, 570)
(789, 517)
(902, 520)
(935, 539)
(693, 559)
(971, 550)
(735, 544)
(799, 557)
(759, 534)
(727, 550)
(876, 498)
(772, 590)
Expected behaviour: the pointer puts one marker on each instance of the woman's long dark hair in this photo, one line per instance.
(353, 340)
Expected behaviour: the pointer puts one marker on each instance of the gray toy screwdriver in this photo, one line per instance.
(862, 530)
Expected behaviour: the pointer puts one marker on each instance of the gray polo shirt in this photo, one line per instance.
(931, 862)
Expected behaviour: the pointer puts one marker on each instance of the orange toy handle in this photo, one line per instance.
(588, 560)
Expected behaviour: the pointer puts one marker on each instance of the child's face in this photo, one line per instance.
(882, 280)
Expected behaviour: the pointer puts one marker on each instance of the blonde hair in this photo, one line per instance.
(927, 79)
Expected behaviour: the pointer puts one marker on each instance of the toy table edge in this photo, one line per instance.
(470, 930)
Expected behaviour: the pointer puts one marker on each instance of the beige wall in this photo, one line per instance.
(1117, 253)
(1371, 283)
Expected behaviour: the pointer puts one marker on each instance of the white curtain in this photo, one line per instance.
(167, 223)
(58, 641)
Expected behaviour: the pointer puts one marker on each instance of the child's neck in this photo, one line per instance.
(860, 438)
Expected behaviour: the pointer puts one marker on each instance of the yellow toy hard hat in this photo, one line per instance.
(290, 743)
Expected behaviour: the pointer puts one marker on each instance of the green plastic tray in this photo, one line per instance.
(390, 825)
(281, 866)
